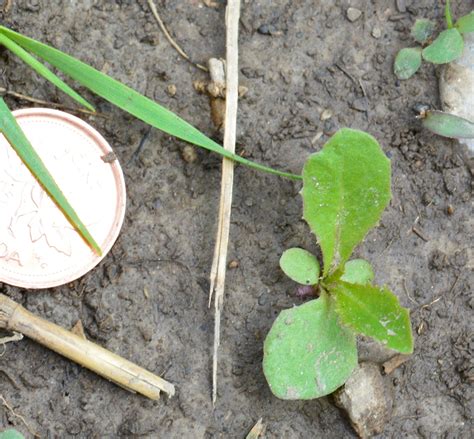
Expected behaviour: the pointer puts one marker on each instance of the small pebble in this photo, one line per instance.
(189, 154)
(171, 90)
(450, 209)
(326, 114)
(234, 264)
(360, 104)
(365, 400)
(401, 6)
(266, 29)
(353, 14)
(376, 32)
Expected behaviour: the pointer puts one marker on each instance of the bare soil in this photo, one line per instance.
(298, 58)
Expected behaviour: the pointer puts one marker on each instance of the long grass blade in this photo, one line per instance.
(43, 70)
(16, 138)
(129, 100)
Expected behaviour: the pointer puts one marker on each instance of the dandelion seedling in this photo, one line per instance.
(445, 48)
(311, 350)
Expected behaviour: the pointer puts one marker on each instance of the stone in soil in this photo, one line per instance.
(353, 14)
(365, 400)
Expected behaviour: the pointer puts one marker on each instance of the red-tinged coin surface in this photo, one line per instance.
(38, 246)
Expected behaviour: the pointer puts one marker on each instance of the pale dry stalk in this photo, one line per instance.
(219, 264)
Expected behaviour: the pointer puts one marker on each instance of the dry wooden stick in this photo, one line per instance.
(154, 11)
(219, 263)
(14, 317)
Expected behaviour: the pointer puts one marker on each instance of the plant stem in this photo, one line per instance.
(447, 14)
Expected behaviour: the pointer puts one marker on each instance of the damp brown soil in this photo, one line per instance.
(309, 71)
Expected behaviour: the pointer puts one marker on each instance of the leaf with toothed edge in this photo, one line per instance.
(346, 187)
(375, 312)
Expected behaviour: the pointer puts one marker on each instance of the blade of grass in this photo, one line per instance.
(447, 14)
(129, 100)
(16, 138)
(43, 71)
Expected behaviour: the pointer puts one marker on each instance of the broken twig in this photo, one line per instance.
(14, 317)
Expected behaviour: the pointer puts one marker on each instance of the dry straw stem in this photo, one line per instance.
(218, 270)
(14, 317)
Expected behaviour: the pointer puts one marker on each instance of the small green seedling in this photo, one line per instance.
(445, 48)
(447, 125)
(311, 350)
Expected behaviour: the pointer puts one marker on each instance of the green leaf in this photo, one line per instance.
(300, 266)
(346, 187)
(447, 14)
(466, 24)
(407, 62)
(374, 312)
(11, 434)
(16, 138)
(447, 47)
(129, 100)
(43, 71)
(307, 354)
(358, 271)
(448, 125)
(422, 30)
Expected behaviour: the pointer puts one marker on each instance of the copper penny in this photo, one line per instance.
(38, 246)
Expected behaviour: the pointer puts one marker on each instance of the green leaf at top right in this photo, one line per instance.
(447, 47)
(465, 24)
(346, 187)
